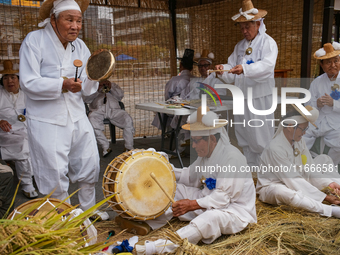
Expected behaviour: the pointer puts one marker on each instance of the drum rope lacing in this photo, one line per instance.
(110, 181)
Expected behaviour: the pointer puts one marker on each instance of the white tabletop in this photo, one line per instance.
(161, 107)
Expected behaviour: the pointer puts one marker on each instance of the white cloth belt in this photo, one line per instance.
(245, 14)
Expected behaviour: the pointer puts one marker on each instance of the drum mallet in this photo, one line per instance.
(166, 193)
(215, 71)
(77, 63)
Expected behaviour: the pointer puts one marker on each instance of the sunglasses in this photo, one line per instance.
(205, 66)
(196, 140)
(303, 130)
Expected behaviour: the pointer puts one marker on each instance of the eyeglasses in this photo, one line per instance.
(205, 66)
(328, 62)
(196, 140)
(303, 130)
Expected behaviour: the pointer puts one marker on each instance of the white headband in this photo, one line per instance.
(64, 5)
(58, 7)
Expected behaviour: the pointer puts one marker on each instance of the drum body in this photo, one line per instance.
(137, 195)
(100, 65)
(40, 207)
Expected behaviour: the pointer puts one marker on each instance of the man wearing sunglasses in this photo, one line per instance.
(204, 63)
(289, 175)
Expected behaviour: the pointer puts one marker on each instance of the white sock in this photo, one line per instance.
(335, 211)
(27, 187)
(191, 232)
(156, 247)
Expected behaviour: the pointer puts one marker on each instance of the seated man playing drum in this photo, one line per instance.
(291, 176)
(215, 201)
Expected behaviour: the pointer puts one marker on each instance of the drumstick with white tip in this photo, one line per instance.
(166, 193)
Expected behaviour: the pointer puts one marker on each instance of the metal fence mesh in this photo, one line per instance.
(145, 36)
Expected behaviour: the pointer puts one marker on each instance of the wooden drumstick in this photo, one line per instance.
(166, 193)
(214, 71)
(77, 63)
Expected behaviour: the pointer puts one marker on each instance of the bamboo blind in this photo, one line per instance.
(145, 34)
(211, 28)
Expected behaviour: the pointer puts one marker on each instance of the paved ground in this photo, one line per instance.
(142, 143)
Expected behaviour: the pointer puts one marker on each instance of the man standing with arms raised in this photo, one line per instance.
(60, 135)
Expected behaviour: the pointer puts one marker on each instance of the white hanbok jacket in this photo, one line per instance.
(14, 144)
(177, 84)
(291, 171)
(259, 75)
(192, 92)
(319, 87)
(234, 192)
(96, 100)
(41, 77)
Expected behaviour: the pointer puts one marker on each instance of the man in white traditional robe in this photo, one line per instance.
(177, 84)
(252, 66)
(191, 92)
(204, 63)
(61, 138)
(13, 130)
(105, 104)
(325, 92)
(291, 176)
(222, 204)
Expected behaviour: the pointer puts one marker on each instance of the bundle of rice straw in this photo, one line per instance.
(185, 248)
(48, 234)
(279, 230)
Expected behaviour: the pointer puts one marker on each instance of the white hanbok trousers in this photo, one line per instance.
(252, 139)
(330, 136)
(210, 223)
(117, 117)
(280, 194)
(20, 154)
(63, 153)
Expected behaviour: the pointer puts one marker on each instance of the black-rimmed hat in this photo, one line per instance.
(188, 58)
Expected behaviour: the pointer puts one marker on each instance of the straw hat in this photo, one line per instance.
(197, 121)
(47, 5)
(311, 118)
(328, 51)
(8, 68)
(248, 12)
(204, 56)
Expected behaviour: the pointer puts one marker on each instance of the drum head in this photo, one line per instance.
(100, 65)
(137, 194)
(39, 208)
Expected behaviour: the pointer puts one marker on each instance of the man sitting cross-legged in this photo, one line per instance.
(298, 178)
(222, 204)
